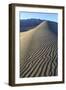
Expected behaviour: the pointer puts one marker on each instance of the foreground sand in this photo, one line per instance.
(38, 52)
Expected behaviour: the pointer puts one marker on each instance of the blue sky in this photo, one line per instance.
(35, 15)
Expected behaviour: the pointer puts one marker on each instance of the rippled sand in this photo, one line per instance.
(38, 52)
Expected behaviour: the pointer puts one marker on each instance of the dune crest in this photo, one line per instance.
(43, 25)
(26, 37)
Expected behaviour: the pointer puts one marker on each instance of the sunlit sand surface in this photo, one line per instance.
(38, 52)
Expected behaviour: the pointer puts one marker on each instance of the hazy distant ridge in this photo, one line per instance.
(28, 24)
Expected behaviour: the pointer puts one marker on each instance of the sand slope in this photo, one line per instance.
(38, 52)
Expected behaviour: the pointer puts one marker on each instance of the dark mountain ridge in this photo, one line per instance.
(27, 24)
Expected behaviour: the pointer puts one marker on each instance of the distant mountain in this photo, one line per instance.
(27, 24)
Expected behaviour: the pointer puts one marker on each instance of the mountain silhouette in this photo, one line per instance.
(28, 24)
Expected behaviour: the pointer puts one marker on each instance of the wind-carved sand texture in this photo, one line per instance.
(38, 52)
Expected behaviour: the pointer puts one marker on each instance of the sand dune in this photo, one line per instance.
(38, 52)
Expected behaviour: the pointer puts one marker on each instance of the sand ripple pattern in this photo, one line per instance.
(38, 52)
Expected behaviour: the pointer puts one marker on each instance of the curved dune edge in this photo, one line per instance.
(25, 37)
(38, 49)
